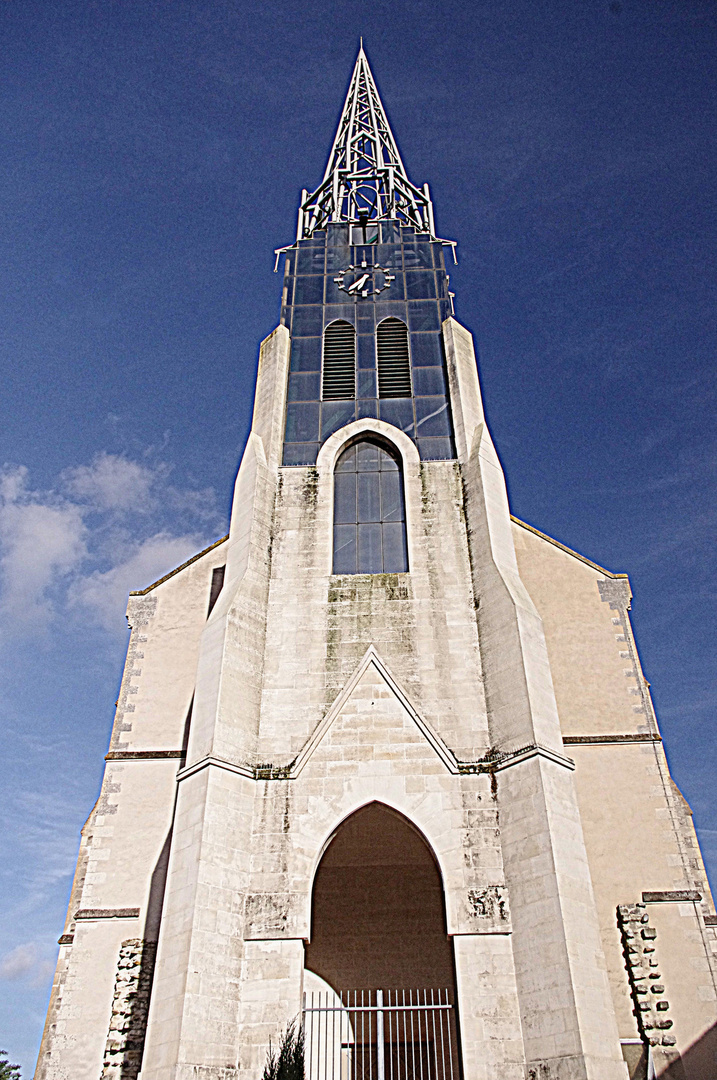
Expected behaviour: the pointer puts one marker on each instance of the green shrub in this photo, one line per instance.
(288, 1062)
(8, 1071)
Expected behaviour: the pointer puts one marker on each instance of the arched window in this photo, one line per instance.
(369, 512)
(394, 369)
(338, 379)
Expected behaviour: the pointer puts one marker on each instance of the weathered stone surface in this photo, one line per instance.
(442, 694)
(130, 1006)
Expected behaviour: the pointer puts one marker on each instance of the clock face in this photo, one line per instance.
(364, 281)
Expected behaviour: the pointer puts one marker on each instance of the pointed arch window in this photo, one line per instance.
(394, 368)
(338, 378)
(369, 511)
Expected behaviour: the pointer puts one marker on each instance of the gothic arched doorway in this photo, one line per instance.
(378, 914)
(378, 939)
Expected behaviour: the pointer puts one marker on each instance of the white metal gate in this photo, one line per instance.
(380, 1035)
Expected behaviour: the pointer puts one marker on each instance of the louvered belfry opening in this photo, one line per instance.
(394, 368)
(338, 382)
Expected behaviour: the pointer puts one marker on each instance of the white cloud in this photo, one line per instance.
(102, 530)
(41, 542)
(104, 594)
(113, 482)
(18, 962)
(24, 962)
(200, 504)
(13, 481)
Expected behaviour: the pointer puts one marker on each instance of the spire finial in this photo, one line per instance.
(365, 179)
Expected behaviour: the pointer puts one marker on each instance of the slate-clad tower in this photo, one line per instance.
(383, 738)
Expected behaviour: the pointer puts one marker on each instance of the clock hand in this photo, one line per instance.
(358, 284)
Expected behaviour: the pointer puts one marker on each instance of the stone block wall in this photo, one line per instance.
(423, 623)
(445, 694)
(638, 830)
(130, 1008)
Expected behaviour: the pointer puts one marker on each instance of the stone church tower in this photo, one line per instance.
(384, 756)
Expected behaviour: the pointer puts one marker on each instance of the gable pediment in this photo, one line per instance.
(373, 711)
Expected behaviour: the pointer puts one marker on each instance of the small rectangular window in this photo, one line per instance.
(338, 257)
(364, 234)
(397, 289)
(395, 552)
(333, 293)
(304, 453)
(307, 321)
(420, 284)
(426, 350)
(428, 380)
(216, 587)
(304, 386)
(345, 549)
(370, 556)
(392, 310)
(417, 253)
(423, 315)
(389, 256)
(399, 412)
(367, 407)
(310, 260)
(334, 414)
(432, 416)
(369, 496)
(345, 498)
(309, 290)
(367, 383)
(391, 496)
(391, 232)
(436, 449)
(302, 422)
(367, 351)
(306, 354)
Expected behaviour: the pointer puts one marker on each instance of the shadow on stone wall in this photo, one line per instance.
(698, 1062)
(133, 985)
(157, 886)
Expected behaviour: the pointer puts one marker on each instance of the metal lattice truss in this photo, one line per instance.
(365, 180)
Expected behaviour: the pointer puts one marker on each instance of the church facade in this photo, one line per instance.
(384, 759)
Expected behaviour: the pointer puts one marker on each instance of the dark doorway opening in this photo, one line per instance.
(379, 943)
(378, 912)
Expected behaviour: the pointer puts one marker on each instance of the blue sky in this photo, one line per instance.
(151, 159)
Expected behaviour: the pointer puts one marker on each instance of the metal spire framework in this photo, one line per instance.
(365, 180)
